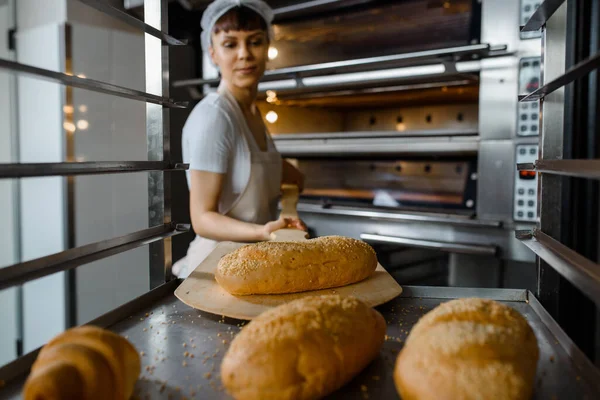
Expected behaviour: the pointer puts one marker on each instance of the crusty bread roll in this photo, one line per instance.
(303, 349)
(468, 349)
(84, 363)
(288, 267)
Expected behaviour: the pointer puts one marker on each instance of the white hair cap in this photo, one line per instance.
(218, 8)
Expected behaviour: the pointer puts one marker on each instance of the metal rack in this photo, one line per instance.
(447, 58)
(561, 267)
(581, 272)
(158, 143)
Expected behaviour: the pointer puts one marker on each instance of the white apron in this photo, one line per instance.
(256, 204)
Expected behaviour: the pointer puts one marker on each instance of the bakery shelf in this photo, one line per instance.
(103, 6)
(169, 332)
(89, 84)
(574, 168)
(541, 16)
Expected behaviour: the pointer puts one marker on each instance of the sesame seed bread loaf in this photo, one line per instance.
(468, 349)
(289, 267)
(304, 349)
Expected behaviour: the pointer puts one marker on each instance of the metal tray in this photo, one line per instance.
(182, 348)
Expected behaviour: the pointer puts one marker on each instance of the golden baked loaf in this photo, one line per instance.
(289, 267)
(304, 349)
(468, 349)
(84, 363)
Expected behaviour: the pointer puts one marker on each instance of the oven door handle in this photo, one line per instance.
(463, 248)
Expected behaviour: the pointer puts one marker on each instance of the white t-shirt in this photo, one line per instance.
(213, 141)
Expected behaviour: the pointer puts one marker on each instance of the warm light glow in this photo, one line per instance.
(69, 126)
(81, 76)
(446, 4)
(272, 117)
(82, 124)
(82, 108)
(68, 109)
(400, 127)
(273, 53)
(271, 96)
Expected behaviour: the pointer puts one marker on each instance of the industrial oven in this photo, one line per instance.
(447, 146)
(404, 118)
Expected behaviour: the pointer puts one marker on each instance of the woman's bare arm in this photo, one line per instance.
(207, 222)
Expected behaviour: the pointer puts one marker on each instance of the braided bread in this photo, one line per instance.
(84, 363)
(468, 349)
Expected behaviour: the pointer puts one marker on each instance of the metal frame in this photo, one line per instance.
(26, 170)
(69, 259)
(542, 15)
(161, 227)
(574, 168)
(372, 63)
(577, 71)
(451, 247)
(103, 6)
(405, 216)
(158, 140)
(578, 270)
(89, 84)
(567, 280)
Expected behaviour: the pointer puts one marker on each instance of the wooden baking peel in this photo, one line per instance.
(200, 290)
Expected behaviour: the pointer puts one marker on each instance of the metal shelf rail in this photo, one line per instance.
(158, 145)
(102, 6)
(573, 168)
(89, 84)
(554, 257)
(23, 170)
(541, 15)
(577, 71)
(580, 271)
(453, 54)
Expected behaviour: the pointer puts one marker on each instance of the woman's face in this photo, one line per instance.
(241, 56)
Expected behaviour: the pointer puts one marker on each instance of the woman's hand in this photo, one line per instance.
(282, 223)
(296, 223)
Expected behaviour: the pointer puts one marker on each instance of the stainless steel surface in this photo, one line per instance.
(397, 146)
(90, 84)
(479, 271)
(183, 348)
(496, 179)
(103, 6)
(446, 219)
(158, 140)
(308, 7)
(373, 134)
(497, 98)
(577, 71)
(500, 22)
(575, 168)
(69, 259)
(352, 226)
(579, 361)
(22, 170)
(20, 366)
(451, 247)
(435, 292)
(550, 187)
(578, 270)
(541, 15)
(366, 64)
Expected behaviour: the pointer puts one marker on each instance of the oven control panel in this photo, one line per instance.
(525, 199)
(528, 113)
(527, 9)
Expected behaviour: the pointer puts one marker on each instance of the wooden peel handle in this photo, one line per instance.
(289, 200)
